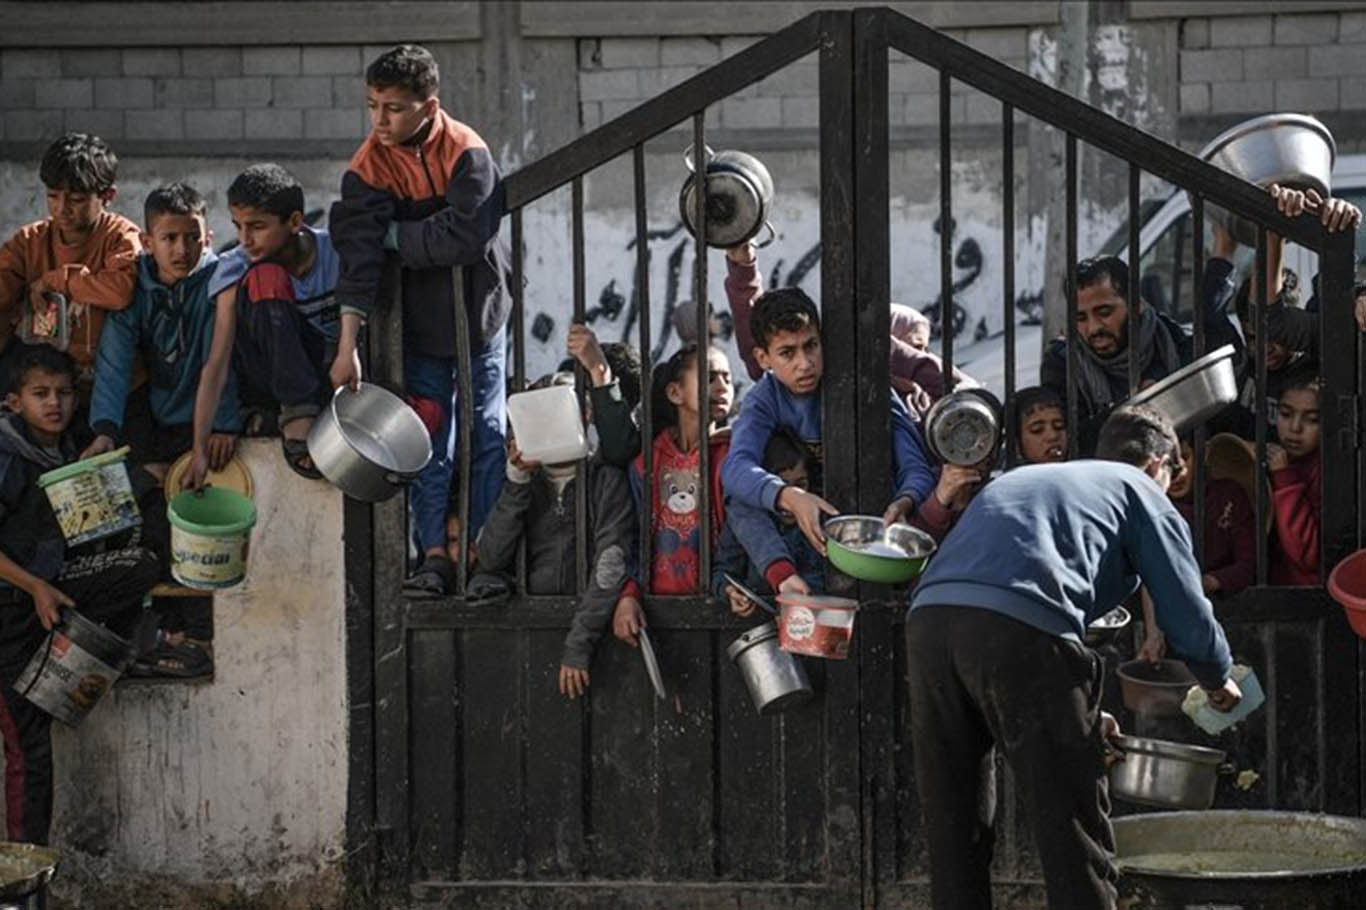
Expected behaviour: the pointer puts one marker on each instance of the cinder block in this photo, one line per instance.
(153, 125)
(301, 91)
(1352, 27)
(207, 62)
(911, 77)
(752, 113)
(1307, 95)
(33, 126)
(1241, 97)
(1276, 62)
(182, 92)
(799, 113)
(123, 93)
(213, 124)
(662, 78)
(1307, 28)
(77, 93)
(328, 61)
(685, 51)
(590, 115)
(1224, 65)
(332, 124)
(108, 125)
(1195, 34)
(1195, 98)
(348, 91)
(628, 53)
(368, 52)
(1239, 31)
(249, 91)
(1338, 60)
(151, 61)
(19, 64)
(921, 109)
(16, 94)
(796, 79)
(609, 85)
(979, 108)
(999, 43)
(91, 62)
(273, 123)
(1352, 94)
(734, 44)
(271, 61)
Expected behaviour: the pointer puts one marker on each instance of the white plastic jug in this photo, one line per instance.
(548, 425)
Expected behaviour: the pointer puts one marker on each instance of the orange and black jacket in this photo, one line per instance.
(445, 194)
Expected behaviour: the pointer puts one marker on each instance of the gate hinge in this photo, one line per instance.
(1350, 412)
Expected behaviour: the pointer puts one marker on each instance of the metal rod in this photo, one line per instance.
(704, 504)
(1008, 274)
(464, 351)
(646, 368)
(1073, 368)
(946, 324)
(519, 349)
(1259, 399)
(580, 469)
(1201, 308)
(1135, 264)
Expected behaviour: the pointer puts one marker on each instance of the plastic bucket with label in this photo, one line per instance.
(210, 534)
(78, 662)
(92, 498)
(816, 625)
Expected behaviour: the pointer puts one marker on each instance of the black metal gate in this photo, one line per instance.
(474, 783)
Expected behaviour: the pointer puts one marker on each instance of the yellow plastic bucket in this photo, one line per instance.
(92, 498)
(210, 536)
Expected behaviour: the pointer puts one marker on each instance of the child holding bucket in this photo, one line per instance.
(41, 574)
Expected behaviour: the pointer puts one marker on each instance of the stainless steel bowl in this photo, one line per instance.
(962, 428)
(369, 443)
(1195, 392)
(1290, 149)
(1156, 772)
(1107, 628)
(1154, 689)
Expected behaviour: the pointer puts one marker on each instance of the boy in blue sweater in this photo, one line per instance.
(170, 323)
(995, 656)
(787, 343)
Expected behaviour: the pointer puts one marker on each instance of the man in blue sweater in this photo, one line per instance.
(995, 656)
(787, 344)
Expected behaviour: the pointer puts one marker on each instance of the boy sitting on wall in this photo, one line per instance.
(40, 575)
(275, 317)
(82, 251)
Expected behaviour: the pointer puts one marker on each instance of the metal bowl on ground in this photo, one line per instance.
(861, 547)
(1154, 689)
(1196, 392)
(1294, 150)
(1249, 859)
(369, 443)
(25, 870)
(1156, 772)
(963, 427)
(1107, 628)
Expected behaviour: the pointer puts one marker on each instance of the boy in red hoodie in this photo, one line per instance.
(1296, 483)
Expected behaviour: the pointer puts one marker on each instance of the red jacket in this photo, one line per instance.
(1297, 494)
(1230, 534)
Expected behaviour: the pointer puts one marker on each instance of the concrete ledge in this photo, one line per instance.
(1181, 9)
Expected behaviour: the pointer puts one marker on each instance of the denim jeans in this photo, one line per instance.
(432, 386)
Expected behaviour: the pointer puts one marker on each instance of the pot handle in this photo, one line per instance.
(687, 157)
(1227, 768)
(772, 235)
(394, 478)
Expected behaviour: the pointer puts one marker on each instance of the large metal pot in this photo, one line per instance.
(1195, 392)
(1154, 689)
(739, 197)
(1156, 772)
(964, 427)
(369, 443)
(1243, 859)
(776, 680)
(1293, 150)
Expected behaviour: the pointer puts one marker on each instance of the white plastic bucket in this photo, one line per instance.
(92, 498)
(210, 537)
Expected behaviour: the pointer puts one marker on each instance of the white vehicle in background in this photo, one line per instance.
(1166, 274)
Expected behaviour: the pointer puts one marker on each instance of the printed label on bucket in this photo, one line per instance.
(200, 561)
(95, 504)
(65, 680)
(801, 622)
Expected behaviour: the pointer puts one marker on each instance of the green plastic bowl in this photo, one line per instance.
(860, 547)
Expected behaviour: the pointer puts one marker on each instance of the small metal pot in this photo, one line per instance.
(775, 679)
(1154, 689)
(1156, 772)
(963, 427)
(739, 198)
(369, 443)
(1196, 392)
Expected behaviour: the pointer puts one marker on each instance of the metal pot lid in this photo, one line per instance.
(961, 429)
(735, 210)
(234, 476)
(1167, 749)
(755, 636)
(1226, 352)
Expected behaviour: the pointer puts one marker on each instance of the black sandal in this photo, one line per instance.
(296, 451)
(433, 579)
(183, 661)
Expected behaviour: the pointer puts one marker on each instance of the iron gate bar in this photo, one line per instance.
(1260, 296)
(647, 497)
(580, 466)
(1199, 303)
(463, 359)
(703, 316)
(1338, 341)
(946, 320)
(1135, 264)
(1008, 276)
(662, 112)
(519, 380)
(1070, 319)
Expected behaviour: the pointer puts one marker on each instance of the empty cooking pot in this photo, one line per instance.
(1156, 772)
(1196, 392)
(964, 427)
(775, 679)
(369, 443)
(739, 198)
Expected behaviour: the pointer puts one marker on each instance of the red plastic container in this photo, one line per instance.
(816, 625)
(1347, 585)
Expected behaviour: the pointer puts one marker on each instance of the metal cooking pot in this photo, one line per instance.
(1195, 392)
(1156, 772)
(775, 679)
(964, 427)
(369, 443)
(1293, 150)
(739, 198)
(1154, 689)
